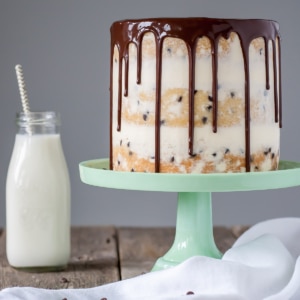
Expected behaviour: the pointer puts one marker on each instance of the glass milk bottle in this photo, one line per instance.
(38, 196)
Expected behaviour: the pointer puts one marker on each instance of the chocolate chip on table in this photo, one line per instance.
(190, 293)
(64, 280)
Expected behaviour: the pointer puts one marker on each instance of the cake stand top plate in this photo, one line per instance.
(96, 172)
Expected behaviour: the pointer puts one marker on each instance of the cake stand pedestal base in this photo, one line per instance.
(194, 230)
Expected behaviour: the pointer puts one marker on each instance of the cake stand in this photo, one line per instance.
(194, 227)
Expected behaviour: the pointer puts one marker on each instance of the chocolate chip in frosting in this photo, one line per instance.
(162, 122)
(179, 99)
(128, 144)
(204, 120)
(210, 98)
(266, 152)
(209, 107)
(145, 116)
(232, 94)
(172, 159)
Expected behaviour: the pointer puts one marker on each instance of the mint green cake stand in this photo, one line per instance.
(194, 228)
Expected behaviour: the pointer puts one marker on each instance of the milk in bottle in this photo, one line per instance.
(38, 196)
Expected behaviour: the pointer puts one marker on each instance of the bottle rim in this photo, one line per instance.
(45, 118)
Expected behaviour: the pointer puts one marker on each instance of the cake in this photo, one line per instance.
(195, 95)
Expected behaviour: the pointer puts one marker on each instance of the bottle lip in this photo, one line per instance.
(38, 118)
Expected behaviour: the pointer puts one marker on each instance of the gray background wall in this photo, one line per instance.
(64, 49)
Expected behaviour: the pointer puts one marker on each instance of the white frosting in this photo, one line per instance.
(211, 146)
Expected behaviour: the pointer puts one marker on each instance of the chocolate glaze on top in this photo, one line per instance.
(189, 30)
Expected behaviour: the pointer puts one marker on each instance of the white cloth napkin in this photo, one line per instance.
(264, 263)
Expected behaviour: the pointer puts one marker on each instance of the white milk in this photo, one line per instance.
(38, 203)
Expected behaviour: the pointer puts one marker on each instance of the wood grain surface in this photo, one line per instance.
(106, 254)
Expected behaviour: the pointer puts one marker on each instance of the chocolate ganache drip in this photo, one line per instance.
(190, 30)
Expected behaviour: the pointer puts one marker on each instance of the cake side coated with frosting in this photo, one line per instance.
(195, 95)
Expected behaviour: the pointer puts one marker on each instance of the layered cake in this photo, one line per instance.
(195, 95)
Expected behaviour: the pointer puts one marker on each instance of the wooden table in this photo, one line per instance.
(106, 254)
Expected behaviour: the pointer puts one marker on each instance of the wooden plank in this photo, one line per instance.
(94, 261)
(224, 238)
(139, 248)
